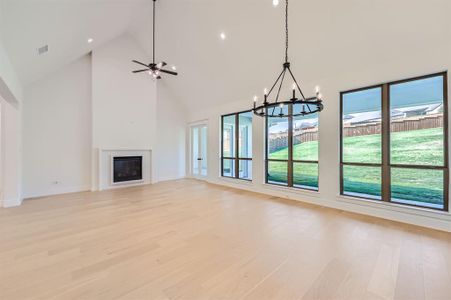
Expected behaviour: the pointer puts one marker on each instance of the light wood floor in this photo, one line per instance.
(190, 240)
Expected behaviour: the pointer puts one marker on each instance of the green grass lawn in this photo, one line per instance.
(423, 147)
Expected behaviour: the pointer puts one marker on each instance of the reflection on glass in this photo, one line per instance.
(277, 138)
(305, 137)
(245, 135)
(195, 145)
(417, 135)
(203, 142)
(362, 126)
(278, 172)
(417, 187)
(228, 167)
(305, 175)
(228, 136)
(245, 171)
(362, 181)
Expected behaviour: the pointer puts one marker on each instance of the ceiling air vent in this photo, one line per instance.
(43, 49)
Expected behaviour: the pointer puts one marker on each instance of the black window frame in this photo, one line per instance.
(290, 161)
(385, 164)
(236, 158)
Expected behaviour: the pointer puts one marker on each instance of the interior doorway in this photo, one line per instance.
(198, 151)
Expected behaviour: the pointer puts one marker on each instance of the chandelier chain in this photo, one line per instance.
(286, 31)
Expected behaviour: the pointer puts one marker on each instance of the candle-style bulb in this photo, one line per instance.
(265, 91)
(281, 105)
(317, 89)
(255, 99)
(294, 86)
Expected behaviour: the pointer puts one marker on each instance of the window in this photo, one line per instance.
(236, 158)
(394, 142)
(292, 150)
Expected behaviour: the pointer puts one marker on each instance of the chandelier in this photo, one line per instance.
(276, 108)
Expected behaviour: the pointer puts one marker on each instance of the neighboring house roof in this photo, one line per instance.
(375, 116)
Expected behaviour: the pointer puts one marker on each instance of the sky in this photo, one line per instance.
(413, 93)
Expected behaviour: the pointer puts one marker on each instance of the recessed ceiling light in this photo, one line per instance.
(223, 36)
(275, 2)
(90, 40)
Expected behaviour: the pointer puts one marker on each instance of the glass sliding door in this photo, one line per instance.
(198, 157)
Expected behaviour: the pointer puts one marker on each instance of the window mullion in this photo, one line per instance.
(222, 145)
(290, 146)
(237, 137)
(446, 142)
(386, 181)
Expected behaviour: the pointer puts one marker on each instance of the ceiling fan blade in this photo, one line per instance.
(168, 72)
(140, 63)
(161, 65)
(139, 71)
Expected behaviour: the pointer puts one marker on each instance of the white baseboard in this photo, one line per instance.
(7, 203)
(170, 178)
(404, 214)
(58, 191)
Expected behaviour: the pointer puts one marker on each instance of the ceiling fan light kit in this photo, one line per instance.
(154, 69)
(276, 108)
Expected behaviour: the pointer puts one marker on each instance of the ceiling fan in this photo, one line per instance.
(154, 69)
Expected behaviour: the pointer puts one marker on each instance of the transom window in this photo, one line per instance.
(236, 153)
(292, 150)
(394, 142)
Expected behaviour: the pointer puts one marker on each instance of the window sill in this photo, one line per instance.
(425, 212)
(236, 180)
(306, 192)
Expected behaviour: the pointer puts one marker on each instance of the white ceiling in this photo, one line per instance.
(65, 25)
(327, 37)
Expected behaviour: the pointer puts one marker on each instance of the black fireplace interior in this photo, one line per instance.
(127, 168)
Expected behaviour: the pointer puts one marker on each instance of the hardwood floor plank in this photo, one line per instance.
(187, 239)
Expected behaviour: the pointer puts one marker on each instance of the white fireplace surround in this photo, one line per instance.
(105, 167)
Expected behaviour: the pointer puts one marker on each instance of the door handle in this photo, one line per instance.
(199, 158)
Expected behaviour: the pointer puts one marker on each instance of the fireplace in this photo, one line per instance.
(127, 168)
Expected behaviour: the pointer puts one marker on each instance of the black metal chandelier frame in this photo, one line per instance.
(308, 105)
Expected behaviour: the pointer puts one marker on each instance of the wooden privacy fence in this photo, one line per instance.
(405, 124)
(280, 140)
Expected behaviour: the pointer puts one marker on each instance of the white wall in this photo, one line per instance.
(171, 132)
(57, 131)
(10, 161)
(10, 87)
(10, 136)
(130, 112)
(123, 103)
(431, 61)
(97, 103)
(10, 132)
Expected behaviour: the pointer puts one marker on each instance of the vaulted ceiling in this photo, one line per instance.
(64, 25)
(327, 37)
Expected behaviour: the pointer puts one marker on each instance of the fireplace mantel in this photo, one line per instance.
(105, 167)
